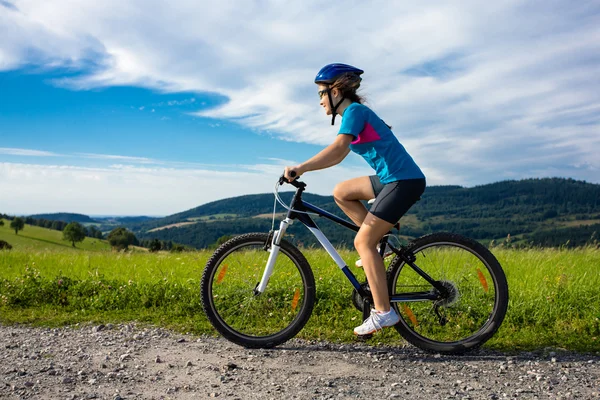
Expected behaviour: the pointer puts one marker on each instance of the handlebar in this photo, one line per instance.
(296, 183)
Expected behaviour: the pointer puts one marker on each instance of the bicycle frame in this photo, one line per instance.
(296, 211)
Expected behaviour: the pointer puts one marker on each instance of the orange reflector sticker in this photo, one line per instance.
(482, 280)
(222, 274)
(295, 299)
(410, 314)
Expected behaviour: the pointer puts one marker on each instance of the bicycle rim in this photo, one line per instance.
(475, 304)
(250, 319)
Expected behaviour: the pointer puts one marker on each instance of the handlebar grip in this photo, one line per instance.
(294, 182)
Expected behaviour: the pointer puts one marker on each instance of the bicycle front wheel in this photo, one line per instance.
(470, 309)
(248, 318)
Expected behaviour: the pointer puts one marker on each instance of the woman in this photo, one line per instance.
(397, 185)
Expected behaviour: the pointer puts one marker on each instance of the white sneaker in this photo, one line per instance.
(377, 321)
(388, 252)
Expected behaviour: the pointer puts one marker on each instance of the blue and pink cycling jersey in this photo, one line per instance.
(375, 142)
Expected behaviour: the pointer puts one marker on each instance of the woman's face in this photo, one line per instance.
(325, 98)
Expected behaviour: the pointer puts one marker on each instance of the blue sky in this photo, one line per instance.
(151, 108)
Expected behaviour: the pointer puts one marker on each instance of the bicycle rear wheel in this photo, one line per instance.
(476, 297)
(240, 314)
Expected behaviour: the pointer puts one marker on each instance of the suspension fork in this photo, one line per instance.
(274, 250)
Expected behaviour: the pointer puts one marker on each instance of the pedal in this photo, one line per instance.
(364, 338)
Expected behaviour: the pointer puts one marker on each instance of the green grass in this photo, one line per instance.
(37, 238)
(554, 296)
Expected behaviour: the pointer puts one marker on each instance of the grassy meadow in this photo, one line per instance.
(35, 238)
(554, 293)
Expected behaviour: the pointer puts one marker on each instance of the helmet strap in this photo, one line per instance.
(334, 110)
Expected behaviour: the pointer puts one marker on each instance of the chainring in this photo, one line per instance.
(358, 300)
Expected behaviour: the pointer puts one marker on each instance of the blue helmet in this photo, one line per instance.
(329, 73)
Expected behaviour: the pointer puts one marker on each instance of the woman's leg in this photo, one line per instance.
(371, 231)
(348, 194)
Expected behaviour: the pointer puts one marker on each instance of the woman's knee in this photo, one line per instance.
(364, 242)
(341, 192)
(354, 189)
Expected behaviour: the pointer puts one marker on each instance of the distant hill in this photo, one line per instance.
(232, 208)
(38, 238)
(124, 220)
(65, 217)
(549, 212)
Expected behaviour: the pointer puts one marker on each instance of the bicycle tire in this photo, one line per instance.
(466, 269)
(236, 312)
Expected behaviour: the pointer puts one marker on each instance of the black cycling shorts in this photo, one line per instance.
(394, 199)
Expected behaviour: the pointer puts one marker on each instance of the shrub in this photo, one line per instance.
(120, 238)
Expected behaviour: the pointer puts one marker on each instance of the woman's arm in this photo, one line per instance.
(328, 157)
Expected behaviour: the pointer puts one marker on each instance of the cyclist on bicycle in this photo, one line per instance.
(397, 185)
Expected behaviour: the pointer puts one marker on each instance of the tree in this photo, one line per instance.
(74, 232)
(177, 248)
(94, 232)
(223, 239)
(121, 238)
(1, 222)
(58, 225)
(155, 245)
(18, 224)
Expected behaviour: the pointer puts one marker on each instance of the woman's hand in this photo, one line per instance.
(287, 172)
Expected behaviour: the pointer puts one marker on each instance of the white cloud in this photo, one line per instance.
(8, 5)
(142, 160)
(176, 102)
(27, 152)
(476, 91)
(122, 189)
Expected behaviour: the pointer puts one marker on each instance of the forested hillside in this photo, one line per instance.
(65, 217)
(232, 208)
(549, 212)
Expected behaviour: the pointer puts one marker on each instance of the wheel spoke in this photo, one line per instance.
(231, 304)
(474, 284)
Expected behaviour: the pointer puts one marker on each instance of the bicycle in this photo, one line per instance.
(450, 291)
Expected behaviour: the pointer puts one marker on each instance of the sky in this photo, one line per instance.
(135, 107)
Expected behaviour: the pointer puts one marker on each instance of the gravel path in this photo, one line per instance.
(128, 362)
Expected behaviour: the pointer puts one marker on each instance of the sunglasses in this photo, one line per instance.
(322, 92)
